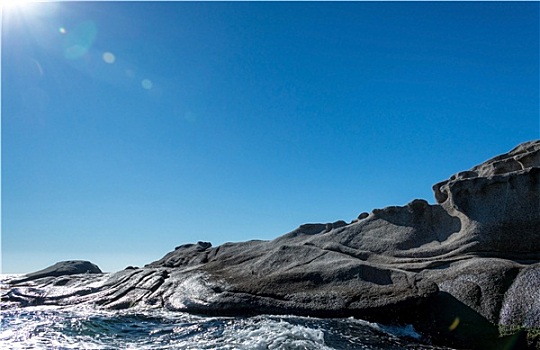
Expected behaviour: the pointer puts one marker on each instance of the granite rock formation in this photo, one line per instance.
(464, 271)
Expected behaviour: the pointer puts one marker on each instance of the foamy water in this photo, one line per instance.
(90, 328)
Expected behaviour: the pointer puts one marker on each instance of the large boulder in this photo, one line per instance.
(460, 270)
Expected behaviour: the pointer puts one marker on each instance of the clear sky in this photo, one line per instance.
(131, 128)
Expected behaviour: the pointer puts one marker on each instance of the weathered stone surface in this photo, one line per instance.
(521, 307)
(457, 269)
(63, 268)
(478, 283)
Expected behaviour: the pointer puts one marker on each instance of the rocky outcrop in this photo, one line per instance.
(465, 270)
(63, 268)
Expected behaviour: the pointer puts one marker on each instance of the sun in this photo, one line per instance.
(10, 3)
(19, 8)
(7, 5)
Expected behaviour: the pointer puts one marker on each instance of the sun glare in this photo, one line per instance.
(8, 4)
(18, 6)
(29, 10)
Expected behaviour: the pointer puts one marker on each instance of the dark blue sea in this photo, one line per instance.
(91, 328)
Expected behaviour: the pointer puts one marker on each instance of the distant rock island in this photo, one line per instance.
(464, 272)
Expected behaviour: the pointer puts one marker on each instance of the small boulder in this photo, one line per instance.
(363, 215)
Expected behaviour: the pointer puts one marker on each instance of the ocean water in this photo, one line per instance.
(48, 327)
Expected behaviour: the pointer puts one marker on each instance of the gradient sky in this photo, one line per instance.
(131, 128)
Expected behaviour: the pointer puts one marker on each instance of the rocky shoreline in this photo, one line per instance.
(465, 271)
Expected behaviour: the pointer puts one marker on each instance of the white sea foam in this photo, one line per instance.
(258, 333)
(393, 330)
(91, 328)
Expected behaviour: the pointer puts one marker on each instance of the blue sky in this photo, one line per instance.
(131, 128)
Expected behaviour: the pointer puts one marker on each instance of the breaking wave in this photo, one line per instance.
(88, 328)
(54, 327)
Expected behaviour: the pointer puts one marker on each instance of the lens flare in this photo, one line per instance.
(454, 324)
(147, 84)
(79, 40)
(109, 57)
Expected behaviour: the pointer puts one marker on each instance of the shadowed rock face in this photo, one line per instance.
(456, 269)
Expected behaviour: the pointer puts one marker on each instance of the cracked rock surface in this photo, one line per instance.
(474, 256)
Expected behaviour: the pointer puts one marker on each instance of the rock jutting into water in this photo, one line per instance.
(465, 271)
